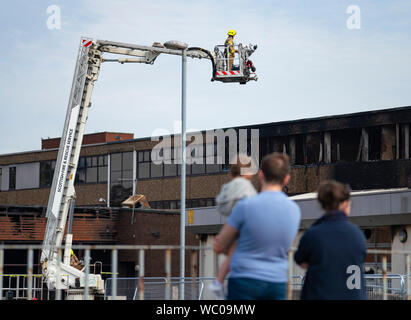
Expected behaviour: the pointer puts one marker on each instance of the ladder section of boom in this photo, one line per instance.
(62, 188)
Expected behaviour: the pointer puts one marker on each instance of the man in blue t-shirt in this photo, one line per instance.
(264, 226)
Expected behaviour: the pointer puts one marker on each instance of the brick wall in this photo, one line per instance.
(19, 224)
(152, 229)
(92, 138)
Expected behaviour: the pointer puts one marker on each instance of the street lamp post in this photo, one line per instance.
(182, 46)
(183, 173)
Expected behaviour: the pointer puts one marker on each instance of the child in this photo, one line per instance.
(238, 188)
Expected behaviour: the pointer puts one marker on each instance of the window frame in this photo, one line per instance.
(12, 186)
(51, 169)
(90, 162)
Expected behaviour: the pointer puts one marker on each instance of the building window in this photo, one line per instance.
(92, 169)
(170, 170)
(170, 167)
(143, 167)
(156, 170)
(46, 173)
(300, 150)
(214, 164)
(1, 178)
(177, 157)
(146, 168)
(197, 160)
(374, 138)
(121, 177)
(175, 204)
(102, 168)
(349, 144)
(210, 156)
(122, 169)
(313, 145)
(12, 178)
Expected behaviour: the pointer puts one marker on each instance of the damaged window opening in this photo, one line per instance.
(346, 145)
(314, 147)
(374, 140)
(388, 142)
(403, 139)
(299, 149)
(270, 145)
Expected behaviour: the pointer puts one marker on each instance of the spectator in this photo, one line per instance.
(265, 225)
(242, 171)
(332, 249)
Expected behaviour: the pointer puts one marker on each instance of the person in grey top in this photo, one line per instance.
(238, 188)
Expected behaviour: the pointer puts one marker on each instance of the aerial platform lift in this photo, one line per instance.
(243, 69)
(61, 274)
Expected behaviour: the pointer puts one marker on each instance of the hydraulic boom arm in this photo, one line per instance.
(89, 59)
(60, 274)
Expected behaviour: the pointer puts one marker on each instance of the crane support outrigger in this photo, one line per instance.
(60, 274)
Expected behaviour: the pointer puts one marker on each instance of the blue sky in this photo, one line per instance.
(309, 64)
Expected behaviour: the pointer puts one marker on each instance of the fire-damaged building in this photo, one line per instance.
(369, 150)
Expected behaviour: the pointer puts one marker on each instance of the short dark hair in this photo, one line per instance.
(331, 193)
(275, 167)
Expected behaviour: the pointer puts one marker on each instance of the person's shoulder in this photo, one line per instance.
(355, 229)
(249, 201)
(291, 203)
(310, 234)
(355, 236)
(315, 233)
(241, 206)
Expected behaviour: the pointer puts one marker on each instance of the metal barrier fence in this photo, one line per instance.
(383, 286)
(15, 285)
(158, 288)
(155, 287)
(375, 287)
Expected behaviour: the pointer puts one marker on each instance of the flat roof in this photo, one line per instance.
(369, 208)
(313, 195)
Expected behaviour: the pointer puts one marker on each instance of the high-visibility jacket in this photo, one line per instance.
(229, 43)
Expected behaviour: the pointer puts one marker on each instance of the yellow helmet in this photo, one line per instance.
(231, 32)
